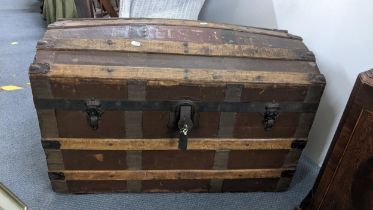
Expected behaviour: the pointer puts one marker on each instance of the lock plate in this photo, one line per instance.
(270, 115)
(94, 113)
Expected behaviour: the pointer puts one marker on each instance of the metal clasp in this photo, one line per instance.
(94, 113)
(185, 115)
(270, 115)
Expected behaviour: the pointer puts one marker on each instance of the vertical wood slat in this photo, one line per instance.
(228, 119)
(314, 93)
(133, 119)
(41, 88)
(134, 162)
(226, 129)
(54, 159)
(48, 123)
(220, 163)
(133, 124)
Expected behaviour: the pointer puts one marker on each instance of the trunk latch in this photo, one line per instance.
(185, 123)
(94, 113)
(270, 115)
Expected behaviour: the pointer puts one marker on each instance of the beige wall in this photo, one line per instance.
(340, 33)
(242, 12)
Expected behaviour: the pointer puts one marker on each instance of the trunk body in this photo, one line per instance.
(113, 96)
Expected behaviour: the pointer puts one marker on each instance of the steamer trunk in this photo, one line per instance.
(147, 105)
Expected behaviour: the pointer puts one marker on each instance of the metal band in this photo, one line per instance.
(228, 119)
(54, 159)
(128, 105)
(133, 119)
(134, 162)
(220, 163)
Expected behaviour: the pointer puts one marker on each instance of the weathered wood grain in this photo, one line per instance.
(172, 144)
(86, 57)
(201, 24)
(179, 75)
(171, 47)
(170, 174)
(54, 159)
(48, 123)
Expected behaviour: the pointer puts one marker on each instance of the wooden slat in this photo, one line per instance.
(170, 174)
(54, 159)
(172, 144)
(86, 57)
(179, 48)
(228, 119)
(199, 24)
(59, 186)
(48, 123)
(133, 119)
(179, 75)
(175, 33)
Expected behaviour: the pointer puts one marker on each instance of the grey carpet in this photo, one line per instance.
(22, 162)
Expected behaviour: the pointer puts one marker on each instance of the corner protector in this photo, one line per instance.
(298, 144)
(50, 144)
(56, 175)
(288, 173)
(39, 68)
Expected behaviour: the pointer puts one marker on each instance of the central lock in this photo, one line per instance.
(186, 121)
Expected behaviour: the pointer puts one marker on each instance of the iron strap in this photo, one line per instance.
(127, 105)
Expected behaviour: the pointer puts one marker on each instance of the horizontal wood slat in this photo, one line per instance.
(173, 76)
(199, 24)
(171, 47)
(170, 174)
(87, 57)
(171, 144)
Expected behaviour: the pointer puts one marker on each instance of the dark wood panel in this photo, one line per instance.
(245, 185)
(174, 61)
(74, 124)
(94, 160)
(174, 159)
(250, 125)
(187, 91)
(274, 92)
(239, 159)
(175, 185)
(88, 88)
(106, 186)
(190, 159)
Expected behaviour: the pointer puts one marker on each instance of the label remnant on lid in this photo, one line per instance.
(136, 43)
